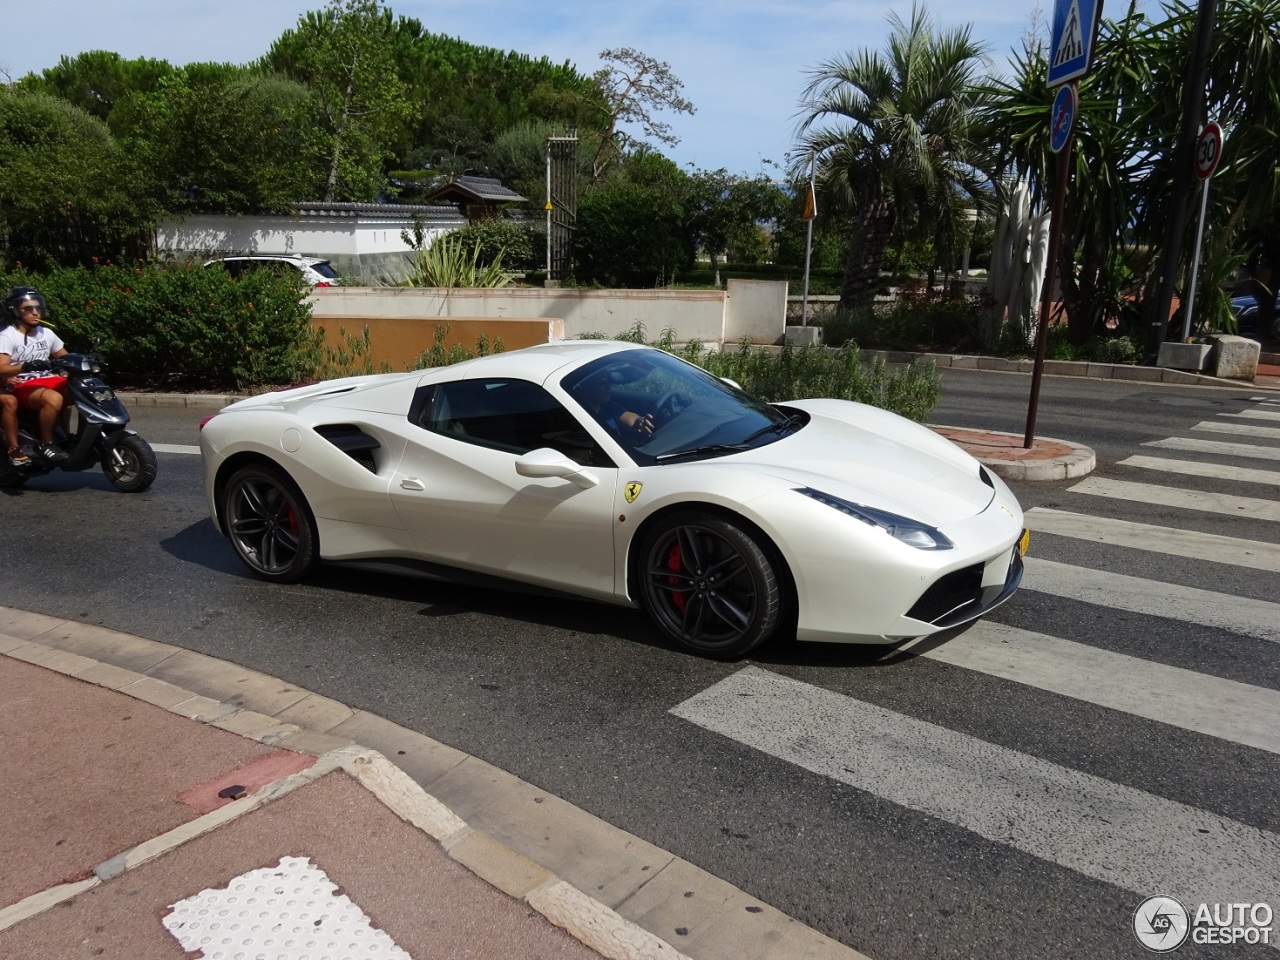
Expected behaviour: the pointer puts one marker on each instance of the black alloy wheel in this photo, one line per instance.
(710, 585)
(270, 524)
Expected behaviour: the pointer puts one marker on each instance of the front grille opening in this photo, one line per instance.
(352, 441)
(952, 594)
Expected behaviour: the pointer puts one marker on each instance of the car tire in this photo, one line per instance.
(709, 584)
(270, 524)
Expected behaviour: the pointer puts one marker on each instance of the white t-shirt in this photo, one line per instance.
(23, 347)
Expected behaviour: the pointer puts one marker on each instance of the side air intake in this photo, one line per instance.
(352, 441)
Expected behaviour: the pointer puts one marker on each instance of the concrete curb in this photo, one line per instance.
(1065, 368)
(519, 839)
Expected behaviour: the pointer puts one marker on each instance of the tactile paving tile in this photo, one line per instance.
(291, 911)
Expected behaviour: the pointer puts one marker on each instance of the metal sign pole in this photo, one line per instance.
(1050, 275)
(810, 214)
(1195, 265)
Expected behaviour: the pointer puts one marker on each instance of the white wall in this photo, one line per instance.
(749, 308)
(362, 248)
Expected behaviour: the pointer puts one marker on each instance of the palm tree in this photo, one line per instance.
(894, 138)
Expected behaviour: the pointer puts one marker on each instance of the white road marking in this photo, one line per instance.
(1253, 507)
(1226, 709)
(290, 911)
(1239, 429)
(1144, 536)
(1254, 414)
(1216, 447)
(174, 448)
(1154, 598)
(1196, 468)
(1106, 831)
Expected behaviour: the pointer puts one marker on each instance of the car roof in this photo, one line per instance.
(542, 361)
(287, 257)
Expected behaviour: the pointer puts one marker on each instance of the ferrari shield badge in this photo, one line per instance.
(631, 491)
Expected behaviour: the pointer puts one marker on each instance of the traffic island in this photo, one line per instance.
(1004, 454)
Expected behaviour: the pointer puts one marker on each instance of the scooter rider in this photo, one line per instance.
(25, 349)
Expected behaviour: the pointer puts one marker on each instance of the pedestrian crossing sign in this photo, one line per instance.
(1075, 28)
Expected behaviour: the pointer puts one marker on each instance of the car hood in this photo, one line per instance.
(878, 459)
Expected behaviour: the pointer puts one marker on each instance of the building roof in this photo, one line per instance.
(475, 190)
(376, 211)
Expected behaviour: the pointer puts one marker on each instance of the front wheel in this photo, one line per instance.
(270, 524)
(710, 585)
(130, 464)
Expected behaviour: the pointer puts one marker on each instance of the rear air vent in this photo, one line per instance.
(352, 441)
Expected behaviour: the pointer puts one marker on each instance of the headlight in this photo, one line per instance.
(102, 394)
(911, 532)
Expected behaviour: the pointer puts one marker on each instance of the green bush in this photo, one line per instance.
(1116, 350)
(183, 327)
(811, 371)
(919, 322)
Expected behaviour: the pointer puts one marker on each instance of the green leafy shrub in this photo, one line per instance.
(1116, 350)
(926, 321)
(810, 371)
(438, 355)
(183, 327)
(453, 261)
(499, 240)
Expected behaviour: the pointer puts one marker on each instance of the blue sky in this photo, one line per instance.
(744, 63)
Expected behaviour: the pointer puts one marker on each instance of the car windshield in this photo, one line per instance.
(664, 410)
(324, 270)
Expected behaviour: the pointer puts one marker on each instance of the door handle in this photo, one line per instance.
(412, 483)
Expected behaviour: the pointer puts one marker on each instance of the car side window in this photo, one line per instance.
(515, 416)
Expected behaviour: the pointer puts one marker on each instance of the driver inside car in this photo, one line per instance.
(26, 347)
(596, 394)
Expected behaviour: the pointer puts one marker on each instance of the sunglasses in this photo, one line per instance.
(30, 309)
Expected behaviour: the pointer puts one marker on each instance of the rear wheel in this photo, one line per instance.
(130, 464)
(270, 524)
(710, 585)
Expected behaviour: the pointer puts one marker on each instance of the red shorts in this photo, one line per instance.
(23, 388)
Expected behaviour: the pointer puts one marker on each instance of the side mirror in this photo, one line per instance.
(545, 462)
(733, 383)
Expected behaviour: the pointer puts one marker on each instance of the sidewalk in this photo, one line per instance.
(159, 801)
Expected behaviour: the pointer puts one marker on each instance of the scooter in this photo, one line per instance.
(127, 459)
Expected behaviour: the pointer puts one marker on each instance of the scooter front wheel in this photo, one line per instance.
(130, 464)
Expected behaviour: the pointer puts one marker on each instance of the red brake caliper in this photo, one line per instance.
(673, 564)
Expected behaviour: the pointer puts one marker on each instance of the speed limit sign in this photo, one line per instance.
(1208, 150)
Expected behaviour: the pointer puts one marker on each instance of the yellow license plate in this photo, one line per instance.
(1024, 542)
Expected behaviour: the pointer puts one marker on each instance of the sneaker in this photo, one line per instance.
(19, 459)
(52, 454)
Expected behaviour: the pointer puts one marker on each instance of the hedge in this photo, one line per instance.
(182, 327)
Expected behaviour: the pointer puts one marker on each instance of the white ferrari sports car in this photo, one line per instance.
(621, 473)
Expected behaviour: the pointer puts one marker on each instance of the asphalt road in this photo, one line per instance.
(578, 698)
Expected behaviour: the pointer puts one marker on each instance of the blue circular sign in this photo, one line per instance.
(1063, 118)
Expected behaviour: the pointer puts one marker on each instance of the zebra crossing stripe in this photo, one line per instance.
(1154, 598)
(1239, 429)
(1254, 414)
(1103, 830)
(1216, 447)
(1196, 468)
(1143, 536)
(1226, 709)
(175, 448)
(1252, 507)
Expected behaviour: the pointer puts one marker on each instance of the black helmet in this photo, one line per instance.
(19, 295)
